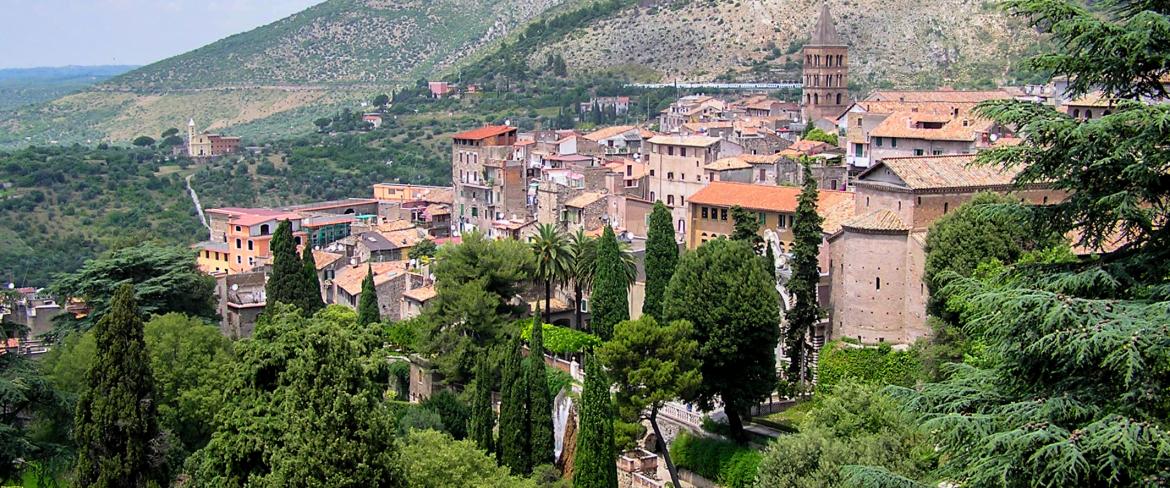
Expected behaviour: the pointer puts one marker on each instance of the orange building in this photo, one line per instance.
(240, 238)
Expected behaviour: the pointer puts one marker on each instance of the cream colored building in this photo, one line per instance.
(677, 171)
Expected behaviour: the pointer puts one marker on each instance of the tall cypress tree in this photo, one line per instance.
(116, 418)
(661, 258)
(806, 311)
(610, 287)
(514, 448)
(284, 285)
(539, 401)
(747, 227)
(311, 300)
(368, 302)
(483, 418)
(594, 465)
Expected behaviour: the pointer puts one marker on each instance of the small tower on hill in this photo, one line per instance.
(826, 71)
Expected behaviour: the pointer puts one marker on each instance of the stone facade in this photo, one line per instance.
(488, 183)
(826, 71)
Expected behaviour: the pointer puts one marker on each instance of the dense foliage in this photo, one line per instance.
(594, 465)
(806, 276)
(661, 258)
(482, 424)
(540, 404)
(610, 300)
(368, 310)
(723, 290)
(560, 340)
(116, 426)
(726, 463)
(431, 459)
(165, 280)
(514, 448)
(839, 362)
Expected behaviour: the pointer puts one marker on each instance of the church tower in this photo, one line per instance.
(191, 137)
(826, 71)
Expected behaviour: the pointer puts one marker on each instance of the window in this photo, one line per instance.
(920, 200)
(858, 149)
(893, 142)
(652, 197)
(651, 172)
(682, 151)
(946, 207)
(239, 259)
(237, 228)
(1076, 113)
(239, 244)
(670, 150)
(1045, 201)
(866, 201)
(936, 152)
(681, 200)
(877, 283)
(699, 177)
(264, 229)
(1088, 114)
(919, 152)
(764, 218)
(249, 244)
(899, 205)
(629, 170)
(475, 211)
(838, 95)
(723, 214)
(670, 200)
(670, 175)
(780, 222)
(704, 211)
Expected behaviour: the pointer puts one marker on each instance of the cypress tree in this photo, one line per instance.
(116, 418)
(514, 448)
(284, 284)
(594, 465)
(770, 261)
(311, 300)
(539, 402)
(806, 246)
(610, 286)
(368, 302)
(483, 419)
(661, 258)
(747, 227)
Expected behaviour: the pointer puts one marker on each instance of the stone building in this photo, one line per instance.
(774, 205)
(876, 259)
(676, 169)
(241, 301)
(208, 145)
(826, 71)
(391, 280)
(489, 183)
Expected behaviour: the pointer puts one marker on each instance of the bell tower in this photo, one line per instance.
(191, 137)
(826, 71)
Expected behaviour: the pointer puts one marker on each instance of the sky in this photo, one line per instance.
(37, 33)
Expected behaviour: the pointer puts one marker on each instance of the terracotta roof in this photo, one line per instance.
(584, 200)
(484, 132)
(761, 197)
(727, 164)
(324, 258)
(972, 96)
(825, 34)
(694, 141)
(884, 220)
(806, 147)
(608, 132)
(954, 171)
(349, 278)
(421, 295)
(902, 125)
(835, 215)
(701, 126)
(376, 242)
(403, 238)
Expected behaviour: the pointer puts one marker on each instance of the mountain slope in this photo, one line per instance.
(365, 42)
(25, 86)
(896, 42)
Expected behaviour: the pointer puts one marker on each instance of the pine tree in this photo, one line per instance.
(483, 418)
(368, 310)
(747, 227)
(311, 300)
(594, 465)
(806, 312)
(514, 449)
(539, 401)
(661, 258)
(116, 423)
(610, 300)
(284, 285)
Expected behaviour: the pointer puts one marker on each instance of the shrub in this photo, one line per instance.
(561, 340)
(724, 462)
(880, 365)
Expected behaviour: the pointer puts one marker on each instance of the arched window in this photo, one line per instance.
(264, 229)
(1105, 113)
(946, 207)
(1088, 114)
(840, 60)
(816, 98)
(838, 99)
(1076, 113)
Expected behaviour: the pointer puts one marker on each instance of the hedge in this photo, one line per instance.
(561, 340)
(724, 462)
(869, 365)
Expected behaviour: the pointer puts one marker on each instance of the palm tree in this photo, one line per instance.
(628, 259)
(584, 251)
(553, 260)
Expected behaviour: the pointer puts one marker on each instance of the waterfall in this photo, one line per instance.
(198, 206)
(561, 406)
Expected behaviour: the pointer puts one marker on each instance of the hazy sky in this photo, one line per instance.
(88, 32)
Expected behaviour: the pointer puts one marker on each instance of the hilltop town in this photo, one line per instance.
(748, 284)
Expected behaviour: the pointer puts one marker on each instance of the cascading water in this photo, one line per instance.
(562, 405)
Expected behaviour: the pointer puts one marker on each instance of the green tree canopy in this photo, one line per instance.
(584, 252)
(143, 141)
(806, 276)
(515, 449)
(311, 300)
(553, 261)
(165, 280)
(593, 466)
(116, 425)
(722, 289)
(819, 135)
(610, 298)
(483, 416)
(368, 301)
(540, 404)
(431, 459)
(303, 410)
(661, 258)
(747, 227)
(651, 365)
(285, 283)
(381, 100)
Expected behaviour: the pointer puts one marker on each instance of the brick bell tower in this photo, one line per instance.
(826, 71)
